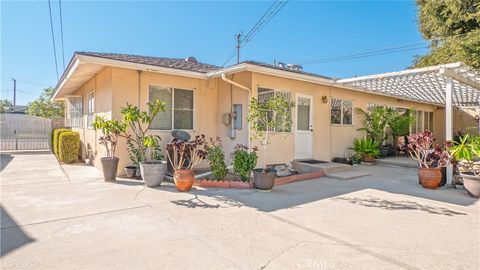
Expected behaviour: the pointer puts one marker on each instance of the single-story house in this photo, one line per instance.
(201, 98)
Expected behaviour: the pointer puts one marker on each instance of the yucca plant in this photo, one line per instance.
(365, 149)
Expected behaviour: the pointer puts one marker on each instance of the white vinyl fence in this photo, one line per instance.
(24, 132)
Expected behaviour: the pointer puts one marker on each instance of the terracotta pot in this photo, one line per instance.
(368, 160)
(430, 177)
(471, 183)
(184, 179)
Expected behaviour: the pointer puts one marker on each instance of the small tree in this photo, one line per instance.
(112, 130)
(265, 117)
(139, 123)
(44, 107)
(5, 106)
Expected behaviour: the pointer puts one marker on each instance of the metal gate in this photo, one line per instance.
(24, 132)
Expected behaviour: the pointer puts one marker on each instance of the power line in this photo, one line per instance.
(61, 32)
(408, 47)
(30, 82)
(53, 37)
(264, 19)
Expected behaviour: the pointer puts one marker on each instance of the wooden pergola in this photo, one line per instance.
(446, 85)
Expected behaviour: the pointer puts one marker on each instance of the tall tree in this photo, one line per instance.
(453, 29)
(45, 108)
(5, 106)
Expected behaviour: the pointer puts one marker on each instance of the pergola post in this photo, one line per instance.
(449, 120)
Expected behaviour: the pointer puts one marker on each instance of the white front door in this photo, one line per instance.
(304, 127)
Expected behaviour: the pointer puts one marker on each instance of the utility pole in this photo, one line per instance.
(238, 38)
(14, 92)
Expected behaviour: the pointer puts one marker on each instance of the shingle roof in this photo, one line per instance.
(176, 63)
(286, 69)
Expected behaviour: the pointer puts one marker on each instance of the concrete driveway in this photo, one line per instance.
(384, 221)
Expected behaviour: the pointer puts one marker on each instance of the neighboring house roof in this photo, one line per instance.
(189, 63)
(18, 109)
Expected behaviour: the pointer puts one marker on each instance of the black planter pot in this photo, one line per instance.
(340, 160)
(384, 151)
(109, 166)
(393, 151)
(264, 180)
(131, 171)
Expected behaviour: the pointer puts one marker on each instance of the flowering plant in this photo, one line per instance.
(186, 155)
(427, 152)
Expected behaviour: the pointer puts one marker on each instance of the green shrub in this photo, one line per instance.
(216, 158)
(244, 162)
(55, 136)
(68, 146)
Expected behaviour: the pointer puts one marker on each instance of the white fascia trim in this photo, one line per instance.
(399, 73)
(137, 66)
(66, 76)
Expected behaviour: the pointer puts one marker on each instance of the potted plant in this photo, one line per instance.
(374, 123)
(112, 130)
(184, 156)
(139, 142)
(244, 162)
(264, 118)
(467, 153)
(152, 169)
(399, 124)
(135, 157)
(431, 157)
(366, 150)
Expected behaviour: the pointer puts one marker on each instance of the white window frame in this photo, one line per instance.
(341, 112)
(91, 93)
(275, 91)
(68, 119)
(172, 88)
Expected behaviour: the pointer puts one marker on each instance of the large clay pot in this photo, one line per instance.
(471, 183)
(264, 180)
(153, 173)
(109, 167)
(430, 177)
(368, 160)
(183, 179)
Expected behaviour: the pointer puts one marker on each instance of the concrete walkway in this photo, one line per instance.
(382, 221)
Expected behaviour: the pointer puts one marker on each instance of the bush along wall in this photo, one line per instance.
(68, 146)
(55, 136)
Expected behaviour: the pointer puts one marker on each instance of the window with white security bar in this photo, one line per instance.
(265, 93)
(341, 111)
(90, 108)
(179, 104)
(73, 111)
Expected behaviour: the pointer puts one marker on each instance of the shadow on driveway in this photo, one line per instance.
(12, 237)
(4, 160)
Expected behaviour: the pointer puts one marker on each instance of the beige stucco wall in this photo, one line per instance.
(114, 87)
(328, 140)
(101, 85)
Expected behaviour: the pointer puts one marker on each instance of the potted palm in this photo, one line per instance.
(139, 142)
(112, 130)
(467, 153)
(264, 118)
(374, 123)
(366, 150)
(184, 156)
(431, 157)
(399, 124)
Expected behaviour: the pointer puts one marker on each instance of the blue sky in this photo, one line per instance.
(301, 30)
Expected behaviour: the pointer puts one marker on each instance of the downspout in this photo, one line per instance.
(139, 72)
(225, 79)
